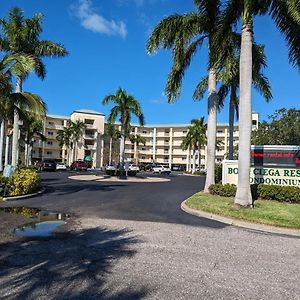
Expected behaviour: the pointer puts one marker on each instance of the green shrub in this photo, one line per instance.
(226, 190)
(117, 173)
(218, 173)
(280, 193)
(24, 181)
(263, 191)
(200, 172)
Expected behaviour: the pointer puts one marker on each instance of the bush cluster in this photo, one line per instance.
(118, 173)
(226, 190)
(263, 191)
(279, 193)
(24, 181)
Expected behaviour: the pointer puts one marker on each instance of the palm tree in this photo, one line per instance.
(20, 35)
(64, 138)
(113, 134)
(32, 127)
(184, 34)
(286, 17)
(10, 102)
(137, 140)
(195, 139)
(76, 128)
(125, 106)
(229, 78)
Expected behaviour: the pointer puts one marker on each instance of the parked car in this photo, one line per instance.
(48, 165)
(79, 166)
(110, 168)
(134, 168)
(61, 166)
(161, 169)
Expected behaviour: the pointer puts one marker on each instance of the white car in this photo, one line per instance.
(61, 166)
(161, 169)
(134, 168)
(111, 168)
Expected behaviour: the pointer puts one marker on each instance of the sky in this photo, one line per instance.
(106, 41)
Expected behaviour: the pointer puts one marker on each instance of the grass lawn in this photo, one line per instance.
(265, 212)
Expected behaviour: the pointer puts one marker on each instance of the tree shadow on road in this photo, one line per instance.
(75, 265)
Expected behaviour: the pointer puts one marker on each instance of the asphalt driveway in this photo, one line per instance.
(132, 241)
(155, 202)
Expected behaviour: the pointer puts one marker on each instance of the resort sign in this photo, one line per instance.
(273, 165)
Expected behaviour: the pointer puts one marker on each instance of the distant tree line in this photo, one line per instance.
(282, 128)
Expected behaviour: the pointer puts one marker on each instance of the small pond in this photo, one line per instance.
(42, 223)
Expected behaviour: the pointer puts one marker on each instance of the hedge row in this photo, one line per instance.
(263, 191)
(118, 173)
(24, 181)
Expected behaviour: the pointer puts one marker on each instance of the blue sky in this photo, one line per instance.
(107, 39)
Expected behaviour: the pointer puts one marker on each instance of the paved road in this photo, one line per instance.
(132, 241)
(155, 202)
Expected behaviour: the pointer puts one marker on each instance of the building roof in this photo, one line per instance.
(88, 111)
(58, 117)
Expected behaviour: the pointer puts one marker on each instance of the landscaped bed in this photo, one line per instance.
(264, 212)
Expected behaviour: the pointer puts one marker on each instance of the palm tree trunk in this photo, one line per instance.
(243, 195)
(110, 152)
(199, 157)
(26, 154)
(29, 159)
(15, 139)
(194, 161)
(211, 130)
(1, 144)
(122, 150)
(6, 159)
(231, 124)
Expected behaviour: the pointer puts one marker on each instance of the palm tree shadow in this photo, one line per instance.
(74, 265)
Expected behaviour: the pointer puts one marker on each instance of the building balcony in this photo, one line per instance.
(89, 136)
(89, 147)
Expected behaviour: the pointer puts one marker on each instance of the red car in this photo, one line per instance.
(79, 166)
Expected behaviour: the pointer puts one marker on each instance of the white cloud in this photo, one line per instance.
(91, 20)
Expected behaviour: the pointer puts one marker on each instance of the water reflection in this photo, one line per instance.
(42, 223)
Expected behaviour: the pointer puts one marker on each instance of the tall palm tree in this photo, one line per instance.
(184, 34)
(76, 128)
(286, 17)
(125, 106)
(195, 139)
(137, 140)
(21, 35)
(64, 138)
(32, 127)
(112, 133)
(9, 101)
(229, 78)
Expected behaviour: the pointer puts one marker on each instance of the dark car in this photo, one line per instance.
(79, 166)
(48, 165)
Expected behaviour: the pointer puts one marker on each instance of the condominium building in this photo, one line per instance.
(163, 141)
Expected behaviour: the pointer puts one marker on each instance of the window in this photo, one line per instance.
(51, 123)
(166, 157)
(166, 141)
(49, 143)
(144, 131)
(132, 155)
(49, 152)
(50, 133)
(89, 121)
(132, 130)
(62, 123)
(183, 158)
(184, 131)
(132, 147)
(220, 131)
(167, 131)
(254, 122)
(143, 157)
(33, 151)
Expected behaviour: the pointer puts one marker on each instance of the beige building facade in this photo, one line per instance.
(163, 142)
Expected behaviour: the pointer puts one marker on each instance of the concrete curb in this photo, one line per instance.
(24, 196)
(241, 224)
